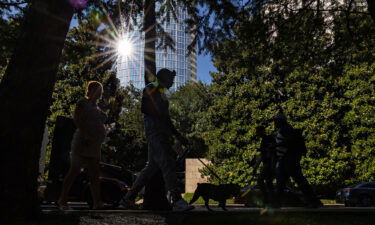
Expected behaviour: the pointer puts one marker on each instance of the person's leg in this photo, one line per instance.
(92, 165)
(143, 178)
(268, 178)
(282, 177)
(262, 185)
(164, 156)
(303, 184)
(74, 170)
(270, 189)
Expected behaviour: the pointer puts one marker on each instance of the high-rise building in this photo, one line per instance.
(130, 70)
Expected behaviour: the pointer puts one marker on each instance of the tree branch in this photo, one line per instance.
(12, 3)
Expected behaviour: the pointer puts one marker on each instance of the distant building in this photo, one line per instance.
(130, 70)
(193, 175)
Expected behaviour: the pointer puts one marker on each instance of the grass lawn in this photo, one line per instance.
(189, 196)
(328, 201)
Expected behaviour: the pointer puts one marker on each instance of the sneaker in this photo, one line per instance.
(181, 206)
(127, 204)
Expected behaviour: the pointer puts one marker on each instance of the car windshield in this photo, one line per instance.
(355, 185)
(361, 185)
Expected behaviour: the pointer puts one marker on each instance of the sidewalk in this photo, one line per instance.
(201, 216)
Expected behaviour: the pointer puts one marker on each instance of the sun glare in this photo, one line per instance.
(124, 47)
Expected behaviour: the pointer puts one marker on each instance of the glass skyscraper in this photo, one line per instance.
(130, 70)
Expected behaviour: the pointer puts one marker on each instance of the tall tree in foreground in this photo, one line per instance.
(25, 94)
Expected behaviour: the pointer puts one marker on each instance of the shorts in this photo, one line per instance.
(77, 160)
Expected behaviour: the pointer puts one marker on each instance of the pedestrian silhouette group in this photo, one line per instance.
(279, 155)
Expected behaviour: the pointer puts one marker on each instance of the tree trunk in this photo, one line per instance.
(25, 95)
(150, 39)
(371, 9)
(155, 194)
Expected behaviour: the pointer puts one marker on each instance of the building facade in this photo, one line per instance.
(130, 69)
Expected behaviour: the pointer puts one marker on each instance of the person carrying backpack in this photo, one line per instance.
(290, 147)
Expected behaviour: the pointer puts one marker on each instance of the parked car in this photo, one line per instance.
(362, 194)
(252, 196)
(114, 183)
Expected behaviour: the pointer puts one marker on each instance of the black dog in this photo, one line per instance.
(218, 193)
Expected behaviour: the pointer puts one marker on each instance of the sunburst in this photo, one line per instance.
(119, 42)
(125, 47)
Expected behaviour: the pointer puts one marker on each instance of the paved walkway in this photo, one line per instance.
(81, 208)
(236, 215)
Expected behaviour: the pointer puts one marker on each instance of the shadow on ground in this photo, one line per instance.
(207, 218)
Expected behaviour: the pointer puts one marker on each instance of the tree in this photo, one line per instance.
(25, 91)
(188, 106)
(127, 146)
(303, 63)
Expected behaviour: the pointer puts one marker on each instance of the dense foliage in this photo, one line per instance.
(319, 71)
(188, 107)
(317, 66)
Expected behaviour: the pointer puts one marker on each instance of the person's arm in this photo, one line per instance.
(182, 139)
(149, 104)
(88, 120)
(77, 116)
(258, 160)
(172, 127)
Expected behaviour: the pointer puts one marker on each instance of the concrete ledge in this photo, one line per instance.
(200, 209)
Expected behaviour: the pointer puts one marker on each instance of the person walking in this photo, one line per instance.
(86, 144)
(289, 150)
(267, 156)
(159, 131)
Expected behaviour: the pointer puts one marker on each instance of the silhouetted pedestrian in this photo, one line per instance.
(86, 144)
(267, 156)
(159, 131)
(289, 150)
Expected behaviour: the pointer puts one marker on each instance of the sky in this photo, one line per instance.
(205, 66)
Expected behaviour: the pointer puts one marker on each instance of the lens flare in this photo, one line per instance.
(78, 4)
(124, 47)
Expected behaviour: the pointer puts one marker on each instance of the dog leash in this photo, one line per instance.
(185, 153)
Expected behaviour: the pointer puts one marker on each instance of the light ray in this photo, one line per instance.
(112, 51)
(149, 58)
(150, 39)
(110, 22)
(105, 62)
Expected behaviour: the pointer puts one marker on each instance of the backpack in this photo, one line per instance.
(299, 145)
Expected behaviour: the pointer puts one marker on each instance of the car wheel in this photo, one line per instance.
(365, 201)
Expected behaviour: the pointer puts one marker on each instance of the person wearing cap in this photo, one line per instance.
(288, 162)
(159, 131)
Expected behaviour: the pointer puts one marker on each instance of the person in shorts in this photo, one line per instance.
(86, 144)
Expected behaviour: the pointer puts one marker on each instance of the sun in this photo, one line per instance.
(124, 47)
